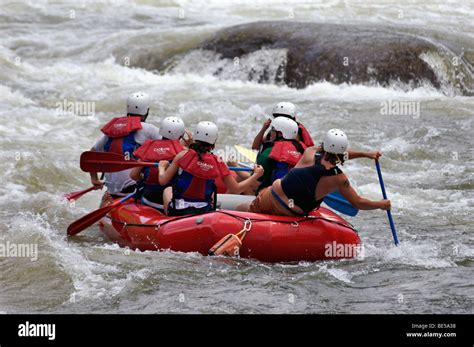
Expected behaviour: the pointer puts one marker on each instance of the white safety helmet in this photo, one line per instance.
(172, 128)
(335, 142)
(138, 103)
(287, 127)
(206, 132)
(286, 109)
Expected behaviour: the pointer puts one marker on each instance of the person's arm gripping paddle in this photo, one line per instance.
(239, 187)
(358, 201)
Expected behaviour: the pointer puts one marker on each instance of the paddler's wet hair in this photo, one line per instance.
(333, 158)
(201, 147)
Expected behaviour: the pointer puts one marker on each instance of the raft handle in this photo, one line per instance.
(247, 225)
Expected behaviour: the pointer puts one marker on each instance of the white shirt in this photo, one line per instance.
(117, 181)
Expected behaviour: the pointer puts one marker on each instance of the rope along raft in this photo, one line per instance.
(157, 226)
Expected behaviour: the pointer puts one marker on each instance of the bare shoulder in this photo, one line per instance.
(343, 180)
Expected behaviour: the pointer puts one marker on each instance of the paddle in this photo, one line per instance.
(108, 162)
(76, 195)
(113, 162)
(339, 203)
(89, 219)
(238, 168)
(334, 200)
(247, 153)
(245, 165)
(384, 194)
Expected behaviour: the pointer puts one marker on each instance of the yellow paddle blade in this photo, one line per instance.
(247, 153)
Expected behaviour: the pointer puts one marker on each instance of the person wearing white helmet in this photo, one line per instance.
(193, 172)
(316, 175)
(172, 130)
(282, 109)
(283, 153)
(124, 135)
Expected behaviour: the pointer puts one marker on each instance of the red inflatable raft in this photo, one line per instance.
(322, 235)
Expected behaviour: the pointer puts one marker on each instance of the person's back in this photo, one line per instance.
(301, 190)
(172, 130)
(123, 135)
(308, 186)
(194, 187)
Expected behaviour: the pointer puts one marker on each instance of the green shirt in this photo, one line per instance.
(268, 165)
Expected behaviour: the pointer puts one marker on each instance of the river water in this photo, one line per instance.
(93, 54)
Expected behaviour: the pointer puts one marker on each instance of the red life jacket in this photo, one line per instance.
(220, 185)
(286, 155)
(196, 182)
(285, 151)
(154, 151)
(121, 133)
(305, 136)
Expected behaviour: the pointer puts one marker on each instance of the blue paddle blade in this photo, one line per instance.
(339, 203)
